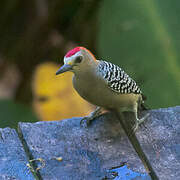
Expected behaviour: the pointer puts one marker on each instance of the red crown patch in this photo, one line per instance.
(73, 51)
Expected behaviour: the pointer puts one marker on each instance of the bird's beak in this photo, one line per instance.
(64, 68)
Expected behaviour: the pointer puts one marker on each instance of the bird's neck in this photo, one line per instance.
(83, 74)
(87, 69)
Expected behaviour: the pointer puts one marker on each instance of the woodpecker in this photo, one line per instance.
(103, 84)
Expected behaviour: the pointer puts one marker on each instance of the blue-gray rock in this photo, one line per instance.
(93, 153)
(13, 159)
(87, 153)
(160, 141)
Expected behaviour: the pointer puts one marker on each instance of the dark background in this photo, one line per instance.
(142, 37)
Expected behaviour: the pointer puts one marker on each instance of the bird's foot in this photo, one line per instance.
(85, 121)
(139, 122)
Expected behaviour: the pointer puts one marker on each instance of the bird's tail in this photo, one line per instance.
(135, 143)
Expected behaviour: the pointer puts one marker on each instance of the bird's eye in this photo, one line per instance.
(78, 59)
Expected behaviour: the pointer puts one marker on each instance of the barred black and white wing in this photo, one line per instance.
(117, 79)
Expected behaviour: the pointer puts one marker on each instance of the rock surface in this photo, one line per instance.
(87, 153)
(13, 159)
(160, 141)
(97, 152)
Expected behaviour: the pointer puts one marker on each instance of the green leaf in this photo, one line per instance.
(11, 113)
(143, 38)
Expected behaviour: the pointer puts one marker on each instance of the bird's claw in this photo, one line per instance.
(139, 122)
(85, 121)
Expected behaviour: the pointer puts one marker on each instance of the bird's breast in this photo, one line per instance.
(90, 88)
(96, 91)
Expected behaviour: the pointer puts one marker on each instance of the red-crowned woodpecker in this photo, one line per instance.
(102, 83)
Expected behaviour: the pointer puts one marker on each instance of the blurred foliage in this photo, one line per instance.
(54, 97)
(34, 31)
(143, 38)
(11, 113)
(140, 36)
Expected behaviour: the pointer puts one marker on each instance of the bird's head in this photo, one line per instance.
(76, 60)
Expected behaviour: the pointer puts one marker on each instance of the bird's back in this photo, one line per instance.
(117, 79)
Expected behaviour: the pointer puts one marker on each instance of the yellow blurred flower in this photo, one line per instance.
(54, 97)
